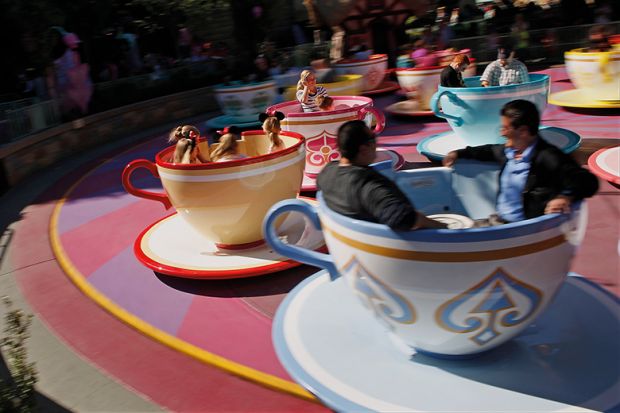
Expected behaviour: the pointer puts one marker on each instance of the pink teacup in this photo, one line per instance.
(320, 128)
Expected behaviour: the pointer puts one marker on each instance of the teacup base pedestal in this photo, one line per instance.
(437, 146)
(329, 343)
(220, 122)
(170, 246)
(384, 87)
(575, 98)
(309, 182)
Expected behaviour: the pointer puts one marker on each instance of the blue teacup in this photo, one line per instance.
(473, 111)
(444, 292)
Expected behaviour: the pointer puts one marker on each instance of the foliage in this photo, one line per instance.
(18, 395)
(198, 15)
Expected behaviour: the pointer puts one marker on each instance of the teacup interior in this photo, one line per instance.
(255, 144)
(469, 189)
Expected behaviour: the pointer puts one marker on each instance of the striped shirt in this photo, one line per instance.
(513, 73)
(310, 105)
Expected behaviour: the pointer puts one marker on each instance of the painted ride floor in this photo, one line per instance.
(226, 324)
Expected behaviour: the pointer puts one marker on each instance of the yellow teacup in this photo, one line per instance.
(226, 201)
(596, 74)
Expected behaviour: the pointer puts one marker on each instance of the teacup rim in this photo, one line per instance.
(278, 107)
(511, 230)
(161, 155)
(375, 56)
(578, 52)
(414, 69)
(536, 79)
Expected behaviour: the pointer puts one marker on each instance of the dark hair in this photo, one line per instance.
(522, 113)
(351, 136)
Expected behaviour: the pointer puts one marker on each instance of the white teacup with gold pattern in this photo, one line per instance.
(244, 101)
(420, 83)
(596, 74)
(444, 292)
(372, 70)
(226, 201)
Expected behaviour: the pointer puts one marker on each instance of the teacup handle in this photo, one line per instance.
(141, 193)
(435, 107)
(318, 259)
(379, 117)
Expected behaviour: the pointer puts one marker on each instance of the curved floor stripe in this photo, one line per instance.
(230, 366)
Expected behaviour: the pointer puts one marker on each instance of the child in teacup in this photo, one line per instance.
(187, 150)
(325, 103)
(271, 127)
(308, 91)
(227, 148)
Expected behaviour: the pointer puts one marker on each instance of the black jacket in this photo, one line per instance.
(552, 173)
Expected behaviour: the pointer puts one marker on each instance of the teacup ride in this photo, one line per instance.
(373, 72)
(216, 229)
(405, 321)
(605, 163)
(473, 113)
(419, 85)
(596, 77)
(242, 102)
(343, 85)
(321, 128)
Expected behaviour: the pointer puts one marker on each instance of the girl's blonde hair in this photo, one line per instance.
(183, 151)
(271, 126)
(227, 144)
(302, 78)
(182, 132)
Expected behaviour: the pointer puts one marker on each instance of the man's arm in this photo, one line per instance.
(577, 183)
(484, 153)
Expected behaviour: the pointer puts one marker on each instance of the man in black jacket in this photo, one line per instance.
(536, 178)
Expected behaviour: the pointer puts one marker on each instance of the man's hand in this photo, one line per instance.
(422, 222)
(450, 158)
(484, 83)
(559, 204)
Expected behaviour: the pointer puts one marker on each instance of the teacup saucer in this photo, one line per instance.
(170, 246)
(407, 108)
(309, 183)
(575, 98)
(605, 163)
(222, 121)
(563, 362)
(384, 87)
(435, 147)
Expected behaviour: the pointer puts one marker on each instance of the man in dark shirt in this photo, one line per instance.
(536, 177)
(350, 187)
(451, 75)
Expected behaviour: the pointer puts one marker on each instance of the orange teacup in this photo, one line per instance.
(226, 201)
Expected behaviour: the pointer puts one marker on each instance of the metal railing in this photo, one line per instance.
(29, 119)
